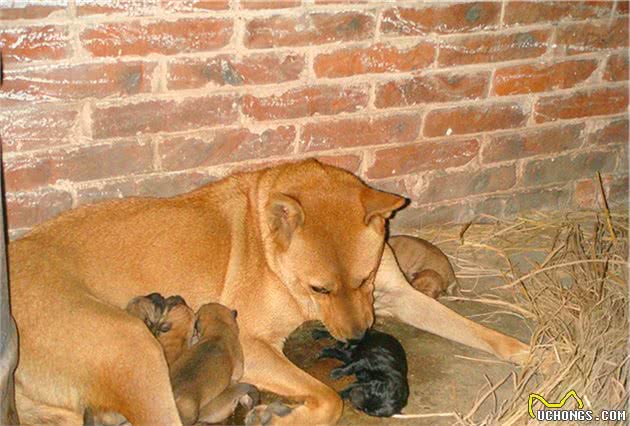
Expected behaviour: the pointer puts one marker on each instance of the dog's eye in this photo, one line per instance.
(320, 290)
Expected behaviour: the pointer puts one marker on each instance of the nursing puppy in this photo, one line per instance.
(425, 266)
(205, 377)
(379, 363)
(178, 323)
(150, 309)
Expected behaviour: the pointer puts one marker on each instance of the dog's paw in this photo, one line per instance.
(264, 414)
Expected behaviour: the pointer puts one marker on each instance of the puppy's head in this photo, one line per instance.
(216, 319)
(178, 319)
(150, 309)
(378, 399)
(325, 237)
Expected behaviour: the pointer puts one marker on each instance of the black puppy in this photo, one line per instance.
(380, 365)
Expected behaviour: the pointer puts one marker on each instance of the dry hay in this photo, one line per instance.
(574, 293)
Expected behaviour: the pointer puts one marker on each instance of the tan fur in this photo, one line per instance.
(182, 325)
(207, 369)
(424, 265)
(256, 242)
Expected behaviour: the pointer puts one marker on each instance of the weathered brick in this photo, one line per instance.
(31, 9)
(350, 162)
(414, 217)
(377, 58)
(583, 103)
(447, 186)
(592, 36)
(127, 7)
(225, 146)
(532, 142)
(187, 6)
(32, 128)
(269, 4)
(611, 132)
(441, 18)
(567, 167)
(527, 12)
(305, 102)
(163, 115)
(163, 37)
(353, 132)
(623, 6)
(442, 87)
(539, 199)
(308, 29)
(70, 82)
(142, 186)
(587, 194)
(30, 171)
(621, 153)
(264, 68)
(422, 156)
(542, 77)
(27, 209)
(474, 118)
(616, 67)
(480, 48)
(27, 44)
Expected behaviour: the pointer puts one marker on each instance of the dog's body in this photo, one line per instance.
(281, 245)
(379, 363)
(425, 266)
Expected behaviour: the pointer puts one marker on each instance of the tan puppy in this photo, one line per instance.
(424, 265)
(150, 309)
(179, 321)
(210, 369)
(283, 245)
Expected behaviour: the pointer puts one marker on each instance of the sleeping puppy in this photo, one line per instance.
(150, 309)
(379, 363)
(177, 328)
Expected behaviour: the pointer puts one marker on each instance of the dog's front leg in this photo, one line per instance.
(395, 297)
(267, 368)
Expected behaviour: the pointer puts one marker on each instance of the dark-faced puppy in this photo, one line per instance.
(150, 309)
(178, 326)
(380, 365)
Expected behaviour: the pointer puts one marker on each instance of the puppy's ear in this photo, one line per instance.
(379, 205)
(234, 313)
(284, 215)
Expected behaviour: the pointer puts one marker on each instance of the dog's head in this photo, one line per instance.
(324, 232)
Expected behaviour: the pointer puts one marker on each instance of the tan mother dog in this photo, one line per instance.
(282, 245)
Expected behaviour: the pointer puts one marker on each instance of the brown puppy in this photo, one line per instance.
(283, 245)
(179, 321)
(210, 369)
(424, 265)
(150, 309)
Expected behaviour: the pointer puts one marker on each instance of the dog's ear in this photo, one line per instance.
(379, 205)
(284, 214)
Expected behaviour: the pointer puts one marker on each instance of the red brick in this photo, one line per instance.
(127, 7)
(612, 132)
(539, 199)
(31, 171)
(377, 58)
(305, 102)
(542, 77)
(269, 4)
(225, 146)
(532, 142)
(27, 44)
(616, 67)
(163, 115)
(584, 103)
(308, 29)
(32, 128)
(264, 68)
(447, 186)
(32, 9)
(348, 162)
(188, 6)
(27, 209)
(567, 167)
(474, 119)
(442, 87)
(163, 37)
(422, 156)
(527, 12)
(480, 48)
(623, 6)
(364, 131)
(71, 82)
(592, 36)
(441, 18)
(142, 186)
(587, 194)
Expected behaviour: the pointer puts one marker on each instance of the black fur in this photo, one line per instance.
(380, 365)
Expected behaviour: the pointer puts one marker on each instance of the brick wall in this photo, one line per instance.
(465, 108)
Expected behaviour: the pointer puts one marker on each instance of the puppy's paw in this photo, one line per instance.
(250, 398)
(264, 414)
